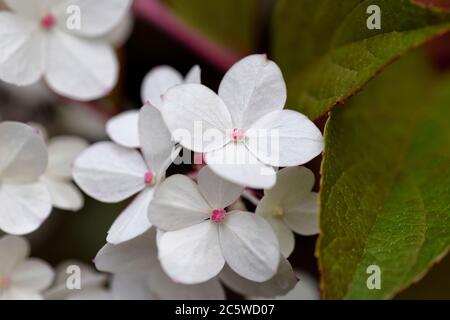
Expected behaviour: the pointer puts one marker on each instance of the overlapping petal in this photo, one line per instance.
(23, 154)
(237, 164)
(253, 87)
(196, 117)
(218, 192)
(193, 254)
(133, 221)
(109, 172)
(178, 203)
(249, 246)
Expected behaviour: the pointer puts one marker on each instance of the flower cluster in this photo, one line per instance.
(182, 234)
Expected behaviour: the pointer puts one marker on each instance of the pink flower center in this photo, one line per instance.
(48, 21)
(237, 134)
(217, 216)
(149, 177)
(5, 282)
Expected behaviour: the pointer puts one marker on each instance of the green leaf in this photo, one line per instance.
(233, 23)
(385, 197)
(327, 53)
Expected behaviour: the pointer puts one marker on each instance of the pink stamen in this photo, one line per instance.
(48, 21)
(148, 178)
(217, 216)
(237, 134)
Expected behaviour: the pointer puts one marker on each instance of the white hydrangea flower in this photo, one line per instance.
(21, 278)
(25, 200)
(243, 130)
(92, 283)
(62, 152)
(38, 39)
(280, 284)
(111, 173)
(291, 206)
(201, 236)
(123, 128)
(138, 273)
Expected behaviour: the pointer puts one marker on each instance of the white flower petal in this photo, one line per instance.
(300, 179)
(65, 195)
(138, 255)
(109, 172)
(285, 138)
(133, 221)
(193, 254)
(298, 209)
(304, 218)
(194, 75)
(237, 164)
(178, 203)
(249, 246)
(23, 154)
(24, 207)
(33, 274)
(13, 251)
(62, 152)
(156, 141)
(30, 9)
(218, 192)
(97, 17)
(280, 284)
(252, 88)
(22, 58)
(80, 69)
(157, 82)
(196, 117)
(123, 129)
(285, 237)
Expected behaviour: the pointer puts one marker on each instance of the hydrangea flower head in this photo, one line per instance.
(243, 131)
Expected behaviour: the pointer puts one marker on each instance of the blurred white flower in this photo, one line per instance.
(92, 283)
(290, 205)
(37, 40)
(244, 131)
(25, 200)
(138, 273)
(280, 284)
(111, 173)
(123, 128)
(201, 236)
(62, 152)
(21, 278)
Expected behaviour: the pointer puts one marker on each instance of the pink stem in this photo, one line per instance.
(158, 14)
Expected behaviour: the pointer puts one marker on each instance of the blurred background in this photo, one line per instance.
(181, 34)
